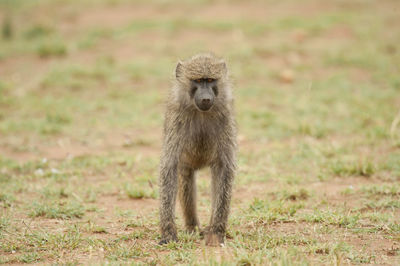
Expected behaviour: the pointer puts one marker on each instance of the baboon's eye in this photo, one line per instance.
(210, 80)
(198, 80)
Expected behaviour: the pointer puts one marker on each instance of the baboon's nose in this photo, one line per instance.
(206, 101)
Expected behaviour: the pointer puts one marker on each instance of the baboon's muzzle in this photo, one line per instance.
(204, 101)
(204, 96)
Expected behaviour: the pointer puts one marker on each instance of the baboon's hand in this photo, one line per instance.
(214, 239)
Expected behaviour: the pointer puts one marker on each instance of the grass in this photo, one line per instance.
(361, 168)
(139, 193)
(57, 211)
(81, 112)
(51, 49)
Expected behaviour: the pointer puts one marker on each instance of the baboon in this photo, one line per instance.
(199, 131)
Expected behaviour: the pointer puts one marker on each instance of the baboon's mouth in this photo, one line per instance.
(204, 108)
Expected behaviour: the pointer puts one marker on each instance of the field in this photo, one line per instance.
(317, 89)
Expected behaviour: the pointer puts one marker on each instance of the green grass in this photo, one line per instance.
(57, 211)
(82, 90)
(362, 168)
(38, 31)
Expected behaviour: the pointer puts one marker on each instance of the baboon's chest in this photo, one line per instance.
(199, 147)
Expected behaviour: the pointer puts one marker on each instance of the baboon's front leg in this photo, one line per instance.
(168, 190)
(222, 180)
(187, 197)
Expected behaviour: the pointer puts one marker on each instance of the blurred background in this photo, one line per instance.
(82, 87)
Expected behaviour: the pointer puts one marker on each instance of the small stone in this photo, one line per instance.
(54, 171)
(39, 172)
(286, 75)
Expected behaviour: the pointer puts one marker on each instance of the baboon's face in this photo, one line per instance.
(203, 91)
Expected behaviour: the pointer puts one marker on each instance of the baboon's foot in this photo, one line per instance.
(192, 229)
(168, 237)
(214, 239)
(204, 232)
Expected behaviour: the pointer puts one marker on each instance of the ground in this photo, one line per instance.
(317, 89)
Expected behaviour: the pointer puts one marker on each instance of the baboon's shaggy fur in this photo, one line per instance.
(192, 140)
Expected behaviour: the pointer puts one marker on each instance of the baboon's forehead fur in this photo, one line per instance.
(203, 66)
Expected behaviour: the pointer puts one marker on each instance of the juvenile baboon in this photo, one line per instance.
(199, 131)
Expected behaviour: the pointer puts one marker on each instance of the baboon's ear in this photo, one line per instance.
(179, 69)
(222, 66)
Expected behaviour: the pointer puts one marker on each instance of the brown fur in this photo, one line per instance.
(193, 140)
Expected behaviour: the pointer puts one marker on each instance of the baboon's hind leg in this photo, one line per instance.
(222, 179)
(187, 197)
